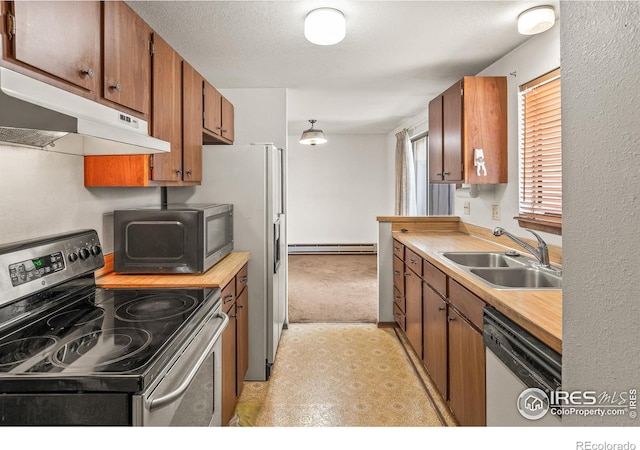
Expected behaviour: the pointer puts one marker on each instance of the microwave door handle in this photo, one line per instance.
(173, 395)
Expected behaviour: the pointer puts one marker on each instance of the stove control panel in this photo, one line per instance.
(28, 267)
(32, 269)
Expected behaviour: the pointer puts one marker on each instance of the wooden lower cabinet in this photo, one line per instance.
(435, 338)
(413, 310)
(242, 338)
(235, 342)
(467, 398)
(229, 374)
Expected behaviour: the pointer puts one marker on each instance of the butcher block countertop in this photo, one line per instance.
(537, 311)
(218, 276)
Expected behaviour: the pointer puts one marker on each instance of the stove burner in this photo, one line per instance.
(20, 350)
(156, 307)
(74, 318)
(100, 348)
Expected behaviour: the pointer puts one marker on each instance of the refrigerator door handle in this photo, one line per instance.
(276, 246)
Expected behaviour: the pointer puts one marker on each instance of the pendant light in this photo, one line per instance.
(536, 20)
(312, 136)
(325, 26)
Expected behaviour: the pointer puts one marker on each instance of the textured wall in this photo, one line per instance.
(600, 48)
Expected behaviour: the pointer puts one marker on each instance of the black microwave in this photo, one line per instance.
(176, 238)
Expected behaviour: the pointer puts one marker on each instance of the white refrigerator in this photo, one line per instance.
(253, 179)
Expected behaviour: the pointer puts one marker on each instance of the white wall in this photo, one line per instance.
(43, 193)
(601, 194)
(337, 189)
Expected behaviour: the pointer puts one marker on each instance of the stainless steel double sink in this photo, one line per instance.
(501, 271)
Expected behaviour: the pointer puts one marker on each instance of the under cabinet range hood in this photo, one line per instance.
(38, 115)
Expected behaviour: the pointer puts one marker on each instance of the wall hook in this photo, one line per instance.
(513, 74)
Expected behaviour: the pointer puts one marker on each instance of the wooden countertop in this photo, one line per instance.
(537, 311)
(218, 276)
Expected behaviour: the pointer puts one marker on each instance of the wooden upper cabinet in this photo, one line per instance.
(192, 83)
(452, 163)
(59, 38)
(166, 117)
(227, 120)
(435, 139)
(127, 57)
(218, 119)
(471, 114)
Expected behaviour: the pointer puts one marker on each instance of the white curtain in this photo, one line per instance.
(406, 202)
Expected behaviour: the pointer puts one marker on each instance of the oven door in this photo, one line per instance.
(189, 392)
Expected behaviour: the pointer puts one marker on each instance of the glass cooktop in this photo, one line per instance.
(98, 339)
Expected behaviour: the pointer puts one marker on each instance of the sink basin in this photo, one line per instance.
(485, 259)
(523, 277)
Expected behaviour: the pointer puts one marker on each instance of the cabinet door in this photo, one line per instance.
(466, 371)
(212, 110)
(398, 275)
(435, 139)
(413, 313)
(229, 377)
(166, 119)
(60, 38)
(227, 119)
(242, 341)
(127, 59)
(191, 123)
(452, 133)
(435, 338)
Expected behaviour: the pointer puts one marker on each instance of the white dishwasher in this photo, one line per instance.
(521, 372)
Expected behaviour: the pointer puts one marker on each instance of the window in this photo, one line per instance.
(540, 205)
(431, 199)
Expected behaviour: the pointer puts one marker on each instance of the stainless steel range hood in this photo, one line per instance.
(35, 114)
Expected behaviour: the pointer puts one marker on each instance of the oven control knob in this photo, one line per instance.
(73, 256)
(84, 253)
(96, 250)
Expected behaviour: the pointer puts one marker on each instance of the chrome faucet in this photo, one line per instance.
(541, 253)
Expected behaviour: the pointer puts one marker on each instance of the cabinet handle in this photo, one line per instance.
(243, 279)
(227, 299)
(441, 308)
(234, 316)
(189, 172)
(446, 173)
(439, 174)
(88, 72)
(239, 306)
(395, 272)
(413, 261)
(450, 319)
(179, 171)
(224, 130)
(396, 249)
(116, 87)
(218, 128)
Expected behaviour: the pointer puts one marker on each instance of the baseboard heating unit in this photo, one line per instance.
(332, 249)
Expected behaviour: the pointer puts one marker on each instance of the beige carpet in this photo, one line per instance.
(333, 288)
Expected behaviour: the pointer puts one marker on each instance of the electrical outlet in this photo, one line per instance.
(467, 208)
(495, 212)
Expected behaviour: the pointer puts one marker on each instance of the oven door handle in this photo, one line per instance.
(173, 395)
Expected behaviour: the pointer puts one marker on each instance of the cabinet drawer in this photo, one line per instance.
(398, 275)
(399, 299)
(228, 296)
(413, 261)
(436, 278)
(399, 317)
(467, 303)
(241, 279)
(398, 249)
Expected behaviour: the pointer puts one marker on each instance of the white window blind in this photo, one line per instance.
(540, 205)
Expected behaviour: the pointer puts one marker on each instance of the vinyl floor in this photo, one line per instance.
(343, 375)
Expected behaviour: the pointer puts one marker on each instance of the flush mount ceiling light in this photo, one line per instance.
(325, 26)
(536, 20)
(311, 136)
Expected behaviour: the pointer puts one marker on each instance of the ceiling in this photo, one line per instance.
(397, 55)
